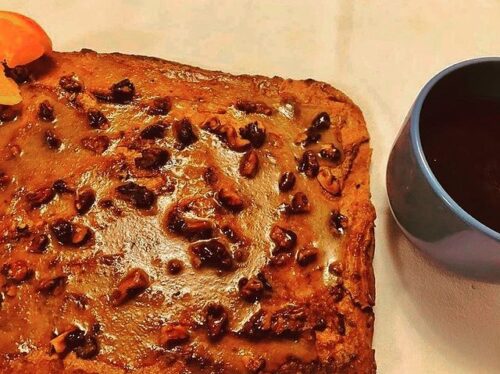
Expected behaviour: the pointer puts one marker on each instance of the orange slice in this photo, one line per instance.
(22, 40)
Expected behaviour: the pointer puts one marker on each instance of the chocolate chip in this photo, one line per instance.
(255, 133)
(40, 197)
(308, 164)
(284, 239)
(39, 243)
(338, 222)
(321, 122)
(46, 111)
(212, 254)
(152, 158)
(123, 91)
(249, 164)
(84, 201)
(97, 144)
(51, 139)
(216, 321)
(96, 119)
(155, 131)
(175, 266)
(159, 106)
(140, 196)
(183, 131)
(286, 182)
(310, 138)
(70, 83)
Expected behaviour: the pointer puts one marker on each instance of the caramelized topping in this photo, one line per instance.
(175, 266)
(227, 134)
(211, 254)
(183, 131)
(338, 223)
(321, 122)
(84, 201)
(123, 91)
(190, 228)
(329, 181)
(155, 131)
(97, 144)
(251, 289)
(72, 234)
(49, 286)
(331, 153)
(230, 199)
(308, 164)
(307, 255)
(96, 119)
(17, 271)
(70, 83)
(288, 321)
(286, 182)
(300, 204)
(40, 197)
(140, 196)
(51, 139)
(134, 283)
(250, 107)
(255, 133)
(249, 164)
(216, 321)
(152, 158)
(172, 335)
(159, 106)
(46, 111)
(39, 243)
(285, 240)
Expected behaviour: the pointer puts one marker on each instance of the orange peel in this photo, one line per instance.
(22, 41)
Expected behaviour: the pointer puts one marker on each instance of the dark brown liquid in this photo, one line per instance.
(461, 142)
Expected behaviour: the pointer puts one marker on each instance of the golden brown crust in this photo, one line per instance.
(171, 241)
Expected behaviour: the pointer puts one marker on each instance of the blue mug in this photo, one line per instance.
(426, 213)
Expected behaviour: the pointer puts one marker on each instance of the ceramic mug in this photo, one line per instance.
(427, 215)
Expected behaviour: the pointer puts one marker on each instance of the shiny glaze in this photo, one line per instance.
(125, 237)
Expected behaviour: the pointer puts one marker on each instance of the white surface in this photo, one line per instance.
(380, 54)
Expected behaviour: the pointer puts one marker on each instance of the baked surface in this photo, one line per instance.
(148, 224)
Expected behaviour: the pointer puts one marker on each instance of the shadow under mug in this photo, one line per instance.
(427, 215)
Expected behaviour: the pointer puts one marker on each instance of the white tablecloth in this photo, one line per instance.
(380, 53)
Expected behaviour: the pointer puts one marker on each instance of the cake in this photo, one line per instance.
(161, 218)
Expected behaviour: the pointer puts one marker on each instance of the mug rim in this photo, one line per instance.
(419, 152)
